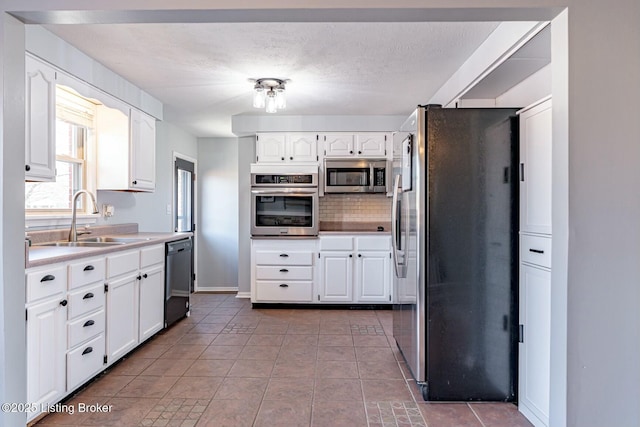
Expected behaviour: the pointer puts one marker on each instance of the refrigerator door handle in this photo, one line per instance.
(399, 271)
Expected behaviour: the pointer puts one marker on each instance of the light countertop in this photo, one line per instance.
(44, 255)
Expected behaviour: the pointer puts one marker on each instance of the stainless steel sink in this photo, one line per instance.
(121, 240)
(83, 244)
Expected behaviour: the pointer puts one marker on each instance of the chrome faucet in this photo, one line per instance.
(73, 234)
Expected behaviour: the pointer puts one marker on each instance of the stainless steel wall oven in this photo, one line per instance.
(284, 200)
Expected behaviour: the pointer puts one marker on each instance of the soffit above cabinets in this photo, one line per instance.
(530, 58)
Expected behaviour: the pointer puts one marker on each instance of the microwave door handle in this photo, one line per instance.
(371, 177)
(287, 191)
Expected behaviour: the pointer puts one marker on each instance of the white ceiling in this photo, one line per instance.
(200, 71)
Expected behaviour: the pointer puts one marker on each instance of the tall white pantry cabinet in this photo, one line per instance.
(535, 262)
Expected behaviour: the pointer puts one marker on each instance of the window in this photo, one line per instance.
(74, 133)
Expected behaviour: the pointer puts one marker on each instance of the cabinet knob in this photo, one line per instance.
(139, 277)
(145, 275)
(359, 152)
(135, 182)
(282, 158)
(290, 158)
(350, 152)
(359, 255)
(27, 168)
(350, 255)
(63, 303)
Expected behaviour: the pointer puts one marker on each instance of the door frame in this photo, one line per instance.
(177, 155)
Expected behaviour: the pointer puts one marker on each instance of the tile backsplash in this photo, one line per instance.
(355, 207)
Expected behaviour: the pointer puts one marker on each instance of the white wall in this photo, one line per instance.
(12, 291)
(149, 210)
(217, 178)
(246, 156)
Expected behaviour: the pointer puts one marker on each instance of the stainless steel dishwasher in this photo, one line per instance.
(178, 278)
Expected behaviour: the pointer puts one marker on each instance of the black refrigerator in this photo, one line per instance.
(454, 227)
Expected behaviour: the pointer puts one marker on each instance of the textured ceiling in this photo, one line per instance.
(200, 71)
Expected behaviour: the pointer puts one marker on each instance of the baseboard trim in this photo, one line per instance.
(243, 295)
(217, 289)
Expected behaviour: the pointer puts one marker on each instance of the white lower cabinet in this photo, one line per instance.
(46, 311)
(373, 276)
(282, 270)
(355, 269)
(535, 320)
(151, 291)
(135, 299)
(122, 319)
(336, 276)
(86, 321)
(46, 346)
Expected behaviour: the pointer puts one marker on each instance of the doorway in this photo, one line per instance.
(184, 185)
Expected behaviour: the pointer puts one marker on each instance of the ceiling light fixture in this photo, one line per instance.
(268, 93)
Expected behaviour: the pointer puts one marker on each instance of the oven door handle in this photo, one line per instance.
(287, 191)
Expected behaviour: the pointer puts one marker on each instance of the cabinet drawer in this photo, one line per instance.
(85, 328)
(151, 256)
(373, 243)
(86, 300)
(336, 243)
(84, 362)
(283, 258)
(284, 273)
(123, 263)
(284, 291)
(86, 271)
(535, 250)
(46, 282)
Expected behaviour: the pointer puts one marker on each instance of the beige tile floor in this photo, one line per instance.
(231, 365)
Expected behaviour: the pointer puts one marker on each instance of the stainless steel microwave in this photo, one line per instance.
(356, 176)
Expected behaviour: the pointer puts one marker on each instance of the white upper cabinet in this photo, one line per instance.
(371, 144)
(535, 173)
(143, 151)
(126, 149)
(286, 147)
(338, 144)
(40, 121)
(355, 145)
(302, 147)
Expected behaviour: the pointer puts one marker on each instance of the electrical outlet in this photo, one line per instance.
(108, 210)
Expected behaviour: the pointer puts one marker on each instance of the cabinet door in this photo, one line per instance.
(336, 276)
(338, 145)
(371, 145)
(535, 179)
(40, 121)
(151, 302)
(301, 147)
(270, 148)
(372, 276)
(534, 351)
(46, 347)
(143, 151)
(122, 317)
